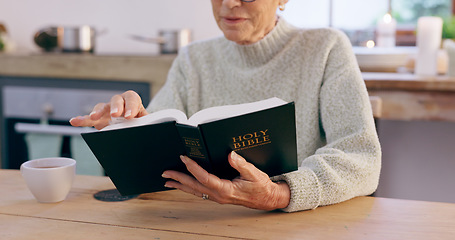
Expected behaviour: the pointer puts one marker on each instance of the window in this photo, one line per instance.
(408, 11)
(358, 17)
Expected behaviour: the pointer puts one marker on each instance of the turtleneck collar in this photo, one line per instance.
(261, 52)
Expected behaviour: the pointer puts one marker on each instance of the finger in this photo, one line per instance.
(184, 188)
(100, 115)
(202, 176)
(85, 121)
(100, 124)
(180, 186)
(117, 105)
(247, 170)
(133, 105)
(81, 121)
(179, 177)
(100, 110)
(184, 182)
(187, 189)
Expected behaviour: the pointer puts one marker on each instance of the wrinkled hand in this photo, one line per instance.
(127, 105)
(252, 189)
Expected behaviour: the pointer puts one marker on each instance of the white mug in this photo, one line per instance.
(49, 179)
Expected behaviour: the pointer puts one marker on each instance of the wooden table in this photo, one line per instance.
(409, 97)
(175, 215)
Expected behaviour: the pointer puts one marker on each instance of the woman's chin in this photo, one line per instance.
(237, 39)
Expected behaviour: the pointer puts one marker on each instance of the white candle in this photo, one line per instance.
(449, 46)
(429, 33)
(385, 30)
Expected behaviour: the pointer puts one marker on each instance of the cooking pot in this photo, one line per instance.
(170, 41)
(66, 39)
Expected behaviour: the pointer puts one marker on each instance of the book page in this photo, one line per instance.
(227, 111)
(166, 115)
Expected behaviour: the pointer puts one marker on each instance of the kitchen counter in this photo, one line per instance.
(405, 96)
(151, 69)
(409, 97)
(408, 82)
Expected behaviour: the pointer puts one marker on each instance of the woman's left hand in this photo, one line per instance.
(253, 188)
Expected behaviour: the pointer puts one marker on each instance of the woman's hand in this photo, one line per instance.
(252, 189)
(127, 105)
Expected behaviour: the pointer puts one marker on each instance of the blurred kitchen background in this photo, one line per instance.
(116, 20)
(41, 90)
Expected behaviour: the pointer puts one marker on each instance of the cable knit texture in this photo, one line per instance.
(338, 149)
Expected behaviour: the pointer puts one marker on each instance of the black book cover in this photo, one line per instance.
(134, 158)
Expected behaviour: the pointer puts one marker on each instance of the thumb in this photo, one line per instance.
(247, 170)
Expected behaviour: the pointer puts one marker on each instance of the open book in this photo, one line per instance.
(203, 116)
(134, 153)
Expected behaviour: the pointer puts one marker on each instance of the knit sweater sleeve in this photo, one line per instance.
(349, 164)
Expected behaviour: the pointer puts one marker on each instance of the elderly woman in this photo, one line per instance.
(262, 56)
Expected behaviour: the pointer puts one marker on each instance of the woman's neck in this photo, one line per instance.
(262, 51)
(261, 34)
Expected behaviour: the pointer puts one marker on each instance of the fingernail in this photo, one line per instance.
(128, 113)
(114, 110)
(166, 185)
(164, 175)
(93, 112)
(234, 155)
(78, 117)
(183, 158)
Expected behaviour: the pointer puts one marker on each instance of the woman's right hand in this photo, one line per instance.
(127, 105)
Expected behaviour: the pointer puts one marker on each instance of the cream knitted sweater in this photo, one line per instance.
(338, 148)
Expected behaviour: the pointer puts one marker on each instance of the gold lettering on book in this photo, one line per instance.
(250, 140)
(192, 142)
(194, 147)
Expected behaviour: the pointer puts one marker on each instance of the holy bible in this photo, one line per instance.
(135, 153)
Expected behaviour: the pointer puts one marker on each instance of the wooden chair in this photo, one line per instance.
(376, 105)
